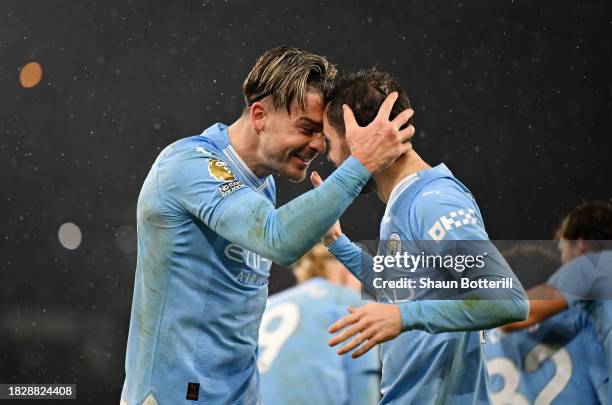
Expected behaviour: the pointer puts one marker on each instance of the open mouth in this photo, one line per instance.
(303, 158)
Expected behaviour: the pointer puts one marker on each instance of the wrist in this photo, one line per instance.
(367, 162)
(408, 315)
(330, 239)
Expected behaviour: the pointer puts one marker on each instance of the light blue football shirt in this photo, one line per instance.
(208, 232)
(587, 281)
(558, 361)
(297, 365)
(439, 357)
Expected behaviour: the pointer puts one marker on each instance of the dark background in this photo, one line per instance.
(514, 96)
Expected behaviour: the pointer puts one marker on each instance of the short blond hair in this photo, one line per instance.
(313, 264)
(286, 74)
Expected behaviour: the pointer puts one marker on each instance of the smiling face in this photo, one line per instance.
(290, 141)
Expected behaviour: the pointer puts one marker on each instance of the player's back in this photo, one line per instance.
(558, 361)
(296, 364)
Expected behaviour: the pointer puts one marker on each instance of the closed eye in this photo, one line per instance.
(310, 131)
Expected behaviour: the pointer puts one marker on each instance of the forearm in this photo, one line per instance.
(285, 234)
(533, 318)
(476, 309)
(356, 260)
(436, 316)
(544, 302)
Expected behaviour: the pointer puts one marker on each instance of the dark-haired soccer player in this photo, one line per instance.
(431, 355)
(585, 279)
(557, 361)
(208, 231)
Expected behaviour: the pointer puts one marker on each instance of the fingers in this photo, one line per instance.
(385, 109)
(341, 337)
(343, 322)
(402, 118)
(315, 179)
(364, 348)
(405, 148)
(406, 134)
(349, 118)
(356, 341)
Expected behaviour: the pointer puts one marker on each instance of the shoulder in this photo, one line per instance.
(442, 193)
(443, 209)
(195, 146)
(194, 157)
(344, 297)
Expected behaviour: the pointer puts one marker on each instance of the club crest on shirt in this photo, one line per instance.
(220, 170)
(394, 244)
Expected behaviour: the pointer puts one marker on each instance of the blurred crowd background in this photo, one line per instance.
(514, 96)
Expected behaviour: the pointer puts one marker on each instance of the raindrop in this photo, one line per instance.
(126, 238)
(69, 236)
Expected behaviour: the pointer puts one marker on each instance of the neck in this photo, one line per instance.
(403, 167)
(245, 141)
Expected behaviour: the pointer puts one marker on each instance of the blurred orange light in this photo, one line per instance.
(30, 75)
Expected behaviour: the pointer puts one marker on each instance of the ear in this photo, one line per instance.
(258, 116)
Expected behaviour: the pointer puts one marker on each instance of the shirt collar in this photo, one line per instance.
(410, 180)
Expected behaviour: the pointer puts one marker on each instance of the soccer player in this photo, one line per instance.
(208, 231)
(432, 356)
(296, 364)
(558, 361)
(584, 280)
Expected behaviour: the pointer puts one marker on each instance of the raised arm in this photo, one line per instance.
(475, 309)
(241, 215)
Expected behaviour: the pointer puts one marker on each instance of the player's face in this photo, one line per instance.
(570, 250)
(338, 148)
(291, 141)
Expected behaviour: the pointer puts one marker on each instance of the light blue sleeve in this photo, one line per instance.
(356, 260)
(447, 216)
(204, 186)
(575, 280)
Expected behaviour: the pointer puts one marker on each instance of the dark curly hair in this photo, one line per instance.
(591, 222)
(364, 91)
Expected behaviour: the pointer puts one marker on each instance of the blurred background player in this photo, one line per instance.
(558, 361)
(432, 352)
(297, 365)
(585, 278)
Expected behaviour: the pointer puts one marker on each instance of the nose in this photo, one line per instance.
(318, 143)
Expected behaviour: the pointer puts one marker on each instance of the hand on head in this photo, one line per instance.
(381, 142)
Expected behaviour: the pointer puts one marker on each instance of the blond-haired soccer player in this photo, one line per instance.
(208, 231)
(297, 365)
